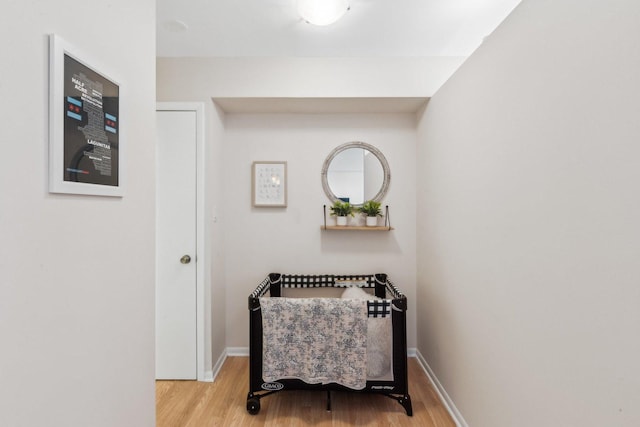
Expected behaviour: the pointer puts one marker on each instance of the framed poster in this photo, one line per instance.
(269, 184)
(85, 139)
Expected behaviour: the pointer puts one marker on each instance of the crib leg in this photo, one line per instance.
(405, 401)
(329, 400)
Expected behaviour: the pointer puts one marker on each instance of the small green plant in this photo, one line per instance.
(341, 208)
(370, 208)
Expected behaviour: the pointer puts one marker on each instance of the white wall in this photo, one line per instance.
(289, 240)
(76, 272)
(529, 237)
(201, 79)
(304, 77)
(215, 204)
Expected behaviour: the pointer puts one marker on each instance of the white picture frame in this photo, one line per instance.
(269, 184)
(86, 148)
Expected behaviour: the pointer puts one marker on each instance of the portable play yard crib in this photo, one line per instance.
(386, 301)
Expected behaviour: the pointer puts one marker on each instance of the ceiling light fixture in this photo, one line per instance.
(322, 12)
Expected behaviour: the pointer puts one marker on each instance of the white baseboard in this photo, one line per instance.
(210, 376)
(442, 393)
(237, 351)
(218, 365)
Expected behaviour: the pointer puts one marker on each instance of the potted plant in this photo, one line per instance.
(371, 209)
(341, 210)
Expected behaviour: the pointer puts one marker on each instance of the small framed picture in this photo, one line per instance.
(269, 184)
(86, 150)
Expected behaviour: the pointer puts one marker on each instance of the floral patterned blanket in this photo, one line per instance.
(317, 340)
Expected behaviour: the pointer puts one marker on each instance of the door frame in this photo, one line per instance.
(202, 306)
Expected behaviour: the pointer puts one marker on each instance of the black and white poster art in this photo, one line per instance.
(85, 141)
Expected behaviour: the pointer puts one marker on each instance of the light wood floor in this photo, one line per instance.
(223, 403)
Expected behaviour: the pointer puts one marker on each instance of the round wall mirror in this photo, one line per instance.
(355, 172)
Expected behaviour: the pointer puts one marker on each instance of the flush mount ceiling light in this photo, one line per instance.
(322, 12)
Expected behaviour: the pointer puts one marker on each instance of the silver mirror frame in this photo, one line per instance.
(356, 144)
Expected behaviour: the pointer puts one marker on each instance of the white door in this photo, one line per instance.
(176, 356)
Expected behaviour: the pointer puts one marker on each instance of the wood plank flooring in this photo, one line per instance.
(223, 403)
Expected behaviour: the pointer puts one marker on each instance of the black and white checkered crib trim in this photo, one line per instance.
(325, 281)
(378, 308)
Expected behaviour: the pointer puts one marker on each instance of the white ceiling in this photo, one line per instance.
(372, 28)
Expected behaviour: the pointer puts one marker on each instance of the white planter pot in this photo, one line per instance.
(372, 221)
(341, 221)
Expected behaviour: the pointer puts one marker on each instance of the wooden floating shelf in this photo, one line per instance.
(355, 228)
(386, 227)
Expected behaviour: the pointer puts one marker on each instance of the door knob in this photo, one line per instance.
(186, 259)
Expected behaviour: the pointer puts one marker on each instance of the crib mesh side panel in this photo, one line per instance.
(363, 281)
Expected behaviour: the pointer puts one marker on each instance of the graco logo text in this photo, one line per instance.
(272, 386)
